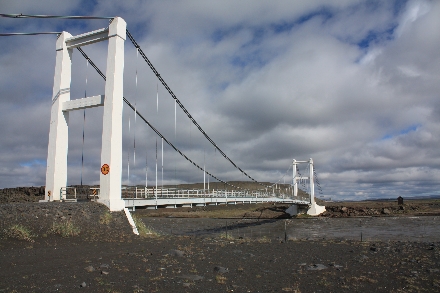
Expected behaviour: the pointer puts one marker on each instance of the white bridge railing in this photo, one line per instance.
(72, 193)
(152, 193)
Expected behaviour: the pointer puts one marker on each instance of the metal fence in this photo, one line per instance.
(74, 193)
(151, 193)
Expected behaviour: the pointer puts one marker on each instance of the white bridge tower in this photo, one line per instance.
(314, 208)
(111, 151)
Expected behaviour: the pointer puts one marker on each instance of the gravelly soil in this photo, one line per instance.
(424, 229)
(107, 257)
(182, 264)
(88, 217)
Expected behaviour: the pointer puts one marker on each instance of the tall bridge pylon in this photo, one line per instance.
(314, 209)
(112, 100)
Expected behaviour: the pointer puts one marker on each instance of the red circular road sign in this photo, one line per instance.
(105, 169)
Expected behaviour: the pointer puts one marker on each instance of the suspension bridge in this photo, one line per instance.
(110, 190)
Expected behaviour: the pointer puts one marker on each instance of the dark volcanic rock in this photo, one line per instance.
(21, 194)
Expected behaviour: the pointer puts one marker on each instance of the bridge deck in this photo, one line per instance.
(173, 197)
(204, 201)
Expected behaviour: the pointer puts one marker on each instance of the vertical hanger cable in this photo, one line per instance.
(135, 111)
(84, 124)
(157, 112)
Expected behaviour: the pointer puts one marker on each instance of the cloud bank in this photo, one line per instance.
(352, 84)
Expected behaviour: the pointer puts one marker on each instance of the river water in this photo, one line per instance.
(424, 228)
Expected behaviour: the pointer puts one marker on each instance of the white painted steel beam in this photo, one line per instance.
(56, 169)
(111, 151)
(173, 202)
(83, 103)
(87, 38)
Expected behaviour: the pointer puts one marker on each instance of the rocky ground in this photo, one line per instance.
(69, 247)
(185, 264)
(382, 208)
(88, 219)
(277, 211)
(21, 194)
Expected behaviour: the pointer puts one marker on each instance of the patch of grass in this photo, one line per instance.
(19, 232)
(105, 218)
(366, 279)
(303, 216)
(227, 236)
(143, 230)
(158, 278)
(220, 279)
(100, 281)
(264, 239)
(65, 229)
(324, 282)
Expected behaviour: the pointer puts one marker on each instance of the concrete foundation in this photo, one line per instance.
(315, 209)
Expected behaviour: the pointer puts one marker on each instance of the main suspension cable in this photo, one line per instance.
(151, 126)
(54, 16)
(152, 68)
(125, 100)
(183, 107)
(29, 34)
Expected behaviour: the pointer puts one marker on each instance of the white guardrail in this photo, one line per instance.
(152, 193)
(72, 193)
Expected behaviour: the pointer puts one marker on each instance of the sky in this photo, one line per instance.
(353, 84)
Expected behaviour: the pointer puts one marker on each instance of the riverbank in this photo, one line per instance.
(82, 247)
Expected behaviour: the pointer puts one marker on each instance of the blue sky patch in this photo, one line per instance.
(32, 163)
(401, 132)
(277, 28)
(375, 37)
(253, 58)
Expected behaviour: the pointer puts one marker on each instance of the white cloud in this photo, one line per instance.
(352, 84)
(414, 10)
